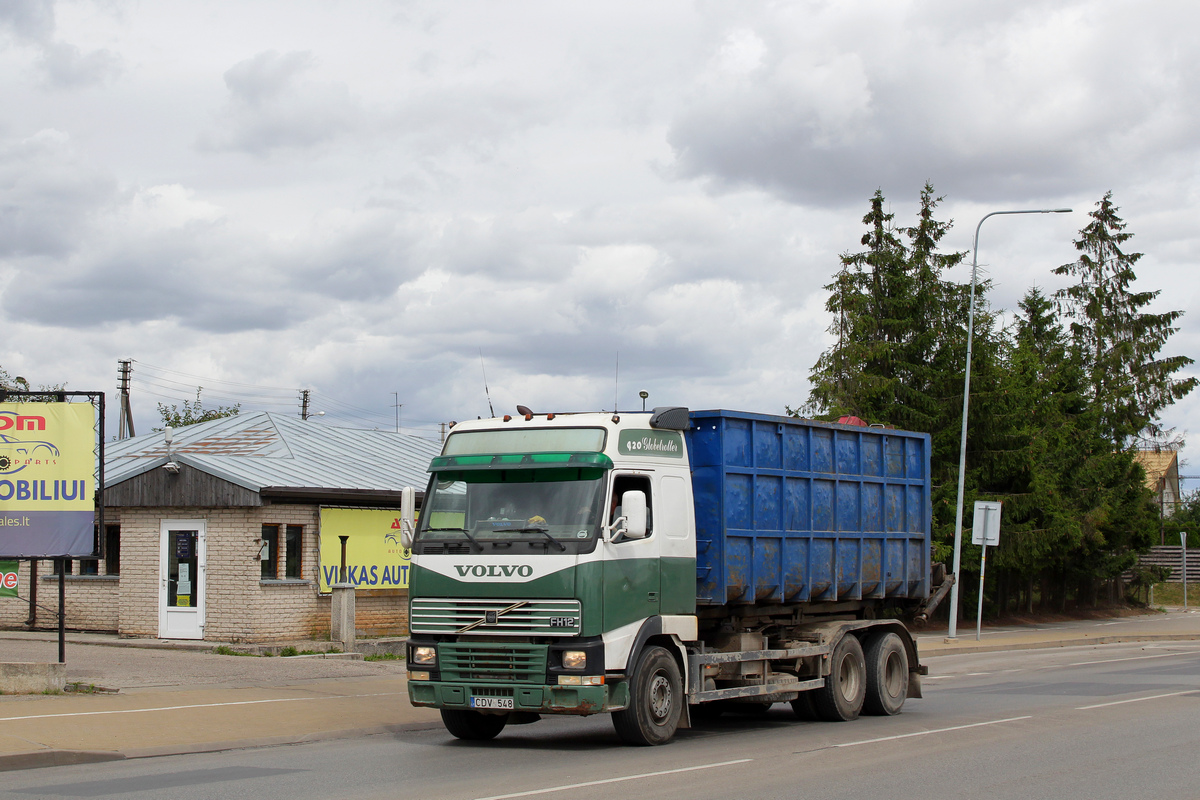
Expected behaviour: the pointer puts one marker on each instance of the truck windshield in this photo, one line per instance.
(537, 510)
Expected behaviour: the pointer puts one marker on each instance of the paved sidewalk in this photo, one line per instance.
(175, 698)
(1174, 625)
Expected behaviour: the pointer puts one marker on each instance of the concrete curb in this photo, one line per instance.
(55, 758)
(953, 650)
(59, 758)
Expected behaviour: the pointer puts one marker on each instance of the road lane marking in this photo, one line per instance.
(937, 730)
(1136, 700)
(565, 787)
(1131, 658)
(199, 705)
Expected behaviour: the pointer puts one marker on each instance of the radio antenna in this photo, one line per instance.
(616, 380)
(485, 386)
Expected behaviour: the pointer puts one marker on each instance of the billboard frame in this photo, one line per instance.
(97, 400)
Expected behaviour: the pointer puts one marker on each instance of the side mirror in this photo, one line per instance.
(633, 507)
(408, 516)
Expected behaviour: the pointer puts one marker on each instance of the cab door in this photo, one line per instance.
(632, 588)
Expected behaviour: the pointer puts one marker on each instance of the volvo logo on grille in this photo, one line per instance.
(492, 617)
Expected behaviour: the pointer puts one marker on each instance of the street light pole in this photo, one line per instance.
(962, 450)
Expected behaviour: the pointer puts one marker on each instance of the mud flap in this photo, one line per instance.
(914, 685)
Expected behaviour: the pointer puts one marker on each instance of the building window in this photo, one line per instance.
(292, 551)
(112, 549)
(270, 554)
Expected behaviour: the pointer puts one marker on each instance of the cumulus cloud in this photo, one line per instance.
(274, 103)
(64, 66)
(555, 185)
(32, 20)
(47, 194)
(1020, 102)
(60, 64)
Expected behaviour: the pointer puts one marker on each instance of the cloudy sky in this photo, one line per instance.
(358, 198)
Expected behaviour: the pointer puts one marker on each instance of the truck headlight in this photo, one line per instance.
(574, 659)
(425, 655)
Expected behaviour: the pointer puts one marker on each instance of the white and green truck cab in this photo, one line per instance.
(662, 564)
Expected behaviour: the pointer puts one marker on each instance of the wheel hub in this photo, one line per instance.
(660, 696)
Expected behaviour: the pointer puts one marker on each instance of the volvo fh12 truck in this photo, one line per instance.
(662, 565)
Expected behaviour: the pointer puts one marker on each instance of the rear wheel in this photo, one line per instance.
(472, 725)
(887, 675)
(655, 700)
(841, 698)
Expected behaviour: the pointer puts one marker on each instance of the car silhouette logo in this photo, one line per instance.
(15, 453)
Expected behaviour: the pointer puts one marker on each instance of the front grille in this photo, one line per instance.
(493, 661)
(496, 617)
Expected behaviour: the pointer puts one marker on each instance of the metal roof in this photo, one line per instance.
(258, 450)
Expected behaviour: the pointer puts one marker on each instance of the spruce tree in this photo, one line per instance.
(1128, 381)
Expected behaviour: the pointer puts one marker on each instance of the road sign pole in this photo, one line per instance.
(979, 615)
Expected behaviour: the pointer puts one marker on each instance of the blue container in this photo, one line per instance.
(797, 511)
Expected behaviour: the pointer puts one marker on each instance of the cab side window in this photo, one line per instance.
(626, 483)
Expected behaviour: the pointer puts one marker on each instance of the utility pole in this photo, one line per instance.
(397, 405)
(125, 428)
(304, 404)
(442, 426)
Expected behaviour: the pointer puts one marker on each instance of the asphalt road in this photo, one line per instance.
(1085, 722)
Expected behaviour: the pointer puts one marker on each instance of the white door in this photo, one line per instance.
(181, 584)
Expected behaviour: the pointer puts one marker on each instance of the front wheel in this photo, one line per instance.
(473, 726)
(841, 698)
(655, 700)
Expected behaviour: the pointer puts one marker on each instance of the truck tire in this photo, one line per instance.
(472, 725)
(655, 700)
(887, 675)
(841, 698)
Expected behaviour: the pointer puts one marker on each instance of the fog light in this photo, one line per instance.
(418, 676)
(425, 655)
(574, 659)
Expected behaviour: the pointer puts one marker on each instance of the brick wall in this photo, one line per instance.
(239, 606)
(91, 601)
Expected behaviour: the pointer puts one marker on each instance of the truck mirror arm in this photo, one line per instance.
(616, 529)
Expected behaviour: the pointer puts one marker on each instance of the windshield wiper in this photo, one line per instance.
(543, 532)
(463, 531)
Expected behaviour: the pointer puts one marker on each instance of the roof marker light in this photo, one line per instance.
(507, 418)
(550, 416)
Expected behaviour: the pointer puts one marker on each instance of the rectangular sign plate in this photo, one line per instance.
(505, 703)
(986, 527)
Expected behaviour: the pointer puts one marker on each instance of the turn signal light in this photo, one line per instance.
(580, 680)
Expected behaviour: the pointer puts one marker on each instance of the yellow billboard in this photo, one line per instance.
(375, 559)
(47, 479)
